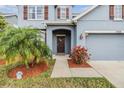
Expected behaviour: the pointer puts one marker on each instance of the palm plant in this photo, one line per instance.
(3, 23)
(23, 42)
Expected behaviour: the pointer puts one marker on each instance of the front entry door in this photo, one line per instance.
(60, 44)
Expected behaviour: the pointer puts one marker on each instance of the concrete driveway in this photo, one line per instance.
(112, 70)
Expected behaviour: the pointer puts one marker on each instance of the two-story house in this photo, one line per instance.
(100, 28)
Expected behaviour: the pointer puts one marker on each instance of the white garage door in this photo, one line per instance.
(105, 46)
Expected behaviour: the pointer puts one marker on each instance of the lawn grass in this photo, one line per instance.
(44, 81)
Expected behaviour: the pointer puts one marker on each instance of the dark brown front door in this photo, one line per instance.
(60, 44)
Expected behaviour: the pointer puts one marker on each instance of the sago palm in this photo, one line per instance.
(23, 42)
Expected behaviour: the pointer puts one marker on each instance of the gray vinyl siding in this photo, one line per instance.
(34, 23)
(11, 19)
(38, 23)
(97, 20)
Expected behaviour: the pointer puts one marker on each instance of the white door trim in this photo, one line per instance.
(107, 31)
(85, 33)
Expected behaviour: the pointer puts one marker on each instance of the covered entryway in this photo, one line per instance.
(60, 36)
(61, 41)
(105, 46)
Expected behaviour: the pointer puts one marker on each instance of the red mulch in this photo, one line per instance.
(74, 65)
(2, 62)
(36, 70)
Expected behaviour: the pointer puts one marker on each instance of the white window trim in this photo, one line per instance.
(101, 32)
(36, 13)
(118, 19)
(115, 17)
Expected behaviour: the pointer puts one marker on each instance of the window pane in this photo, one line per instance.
(31, 9)
(63, 9)
(40, 12)
(36, 12)
(31, 12)
(118, 11)
(63, 13)
(32, 16)
(39, 16)
(39, 9)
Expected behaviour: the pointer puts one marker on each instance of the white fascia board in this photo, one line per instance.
(107, 31)
(9, 15)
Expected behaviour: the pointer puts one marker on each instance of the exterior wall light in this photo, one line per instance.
(81, 36)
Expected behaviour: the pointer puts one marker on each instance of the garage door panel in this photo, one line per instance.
(106, 46)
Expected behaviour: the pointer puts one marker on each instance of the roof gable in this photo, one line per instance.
(84, 13)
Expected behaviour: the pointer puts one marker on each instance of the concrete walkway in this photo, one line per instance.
(84, 72)
(61, 69)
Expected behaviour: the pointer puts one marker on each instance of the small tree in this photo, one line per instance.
(3, 23)
(24, 42)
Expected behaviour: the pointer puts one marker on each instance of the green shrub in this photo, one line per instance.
(79, 55)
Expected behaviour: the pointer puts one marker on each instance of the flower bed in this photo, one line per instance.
(31, 72)
(2, 62)
(72, 64)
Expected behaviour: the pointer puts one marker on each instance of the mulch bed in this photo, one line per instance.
(2, 62)
(74, 65)
(36, 70)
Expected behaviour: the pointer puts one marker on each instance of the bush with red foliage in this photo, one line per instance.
(79, 55)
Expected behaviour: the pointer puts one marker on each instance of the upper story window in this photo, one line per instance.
(36, 12)
(62, 13)
(118, 12)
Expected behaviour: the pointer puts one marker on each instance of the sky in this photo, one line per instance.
(13, 9)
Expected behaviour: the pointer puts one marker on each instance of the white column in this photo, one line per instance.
(72, 39)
